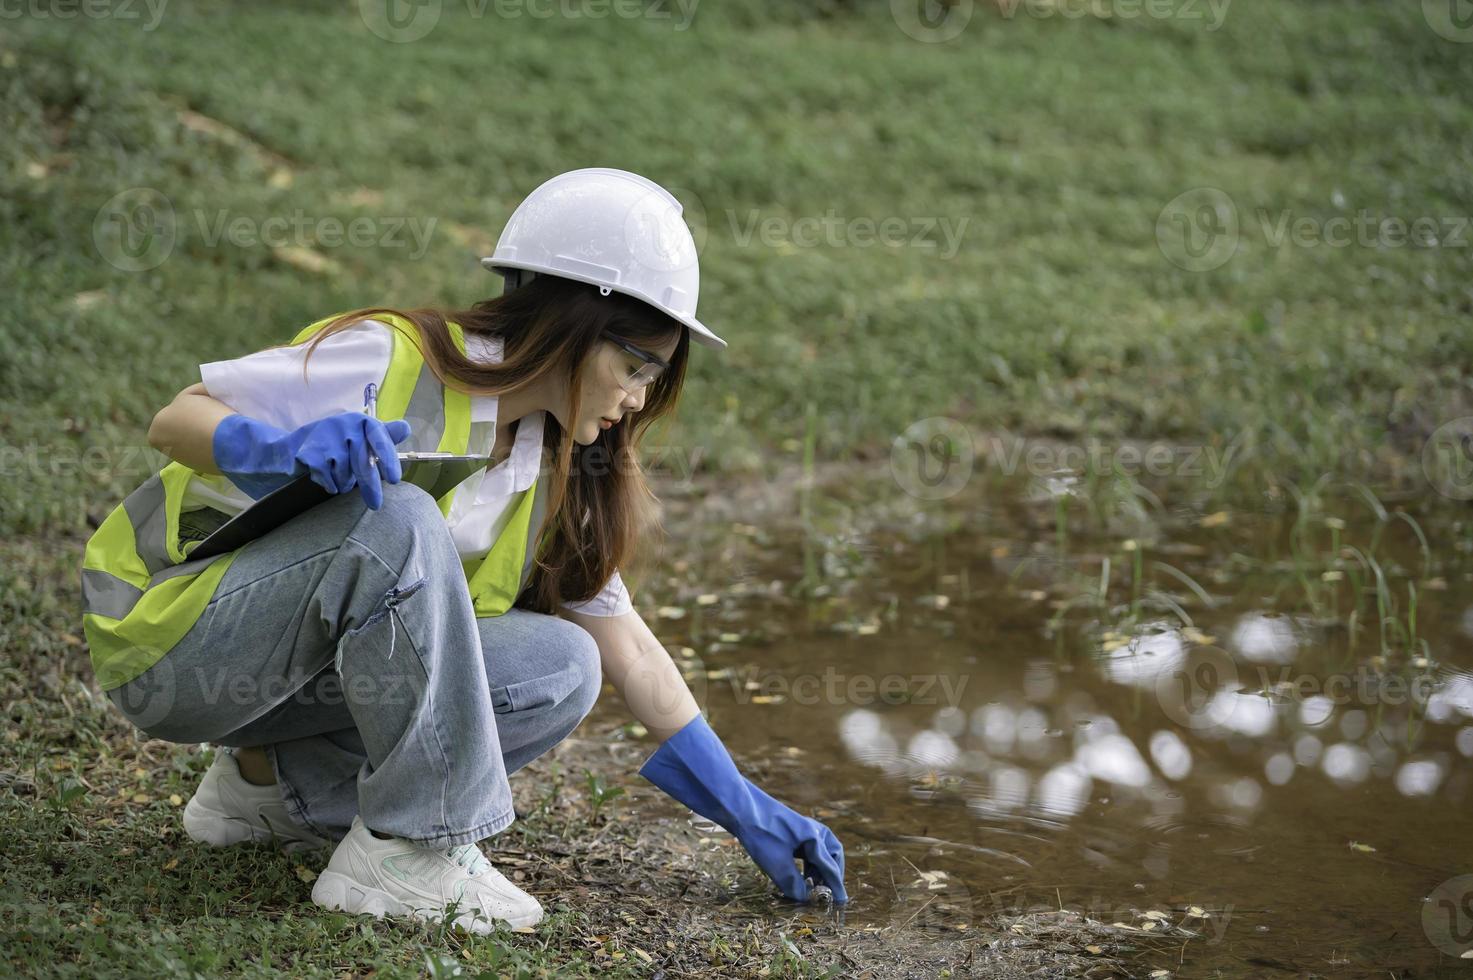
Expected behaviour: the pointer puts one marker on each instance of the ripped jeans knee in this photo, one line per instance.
(387, 608)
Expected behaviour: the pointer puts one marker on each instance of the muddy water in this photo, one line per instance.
(1248, 781)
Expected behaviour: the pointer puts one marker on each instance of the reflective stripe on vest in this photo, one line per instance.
(141, 594)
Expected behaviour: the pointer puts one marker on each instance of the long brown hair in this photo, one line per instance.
(599, 502)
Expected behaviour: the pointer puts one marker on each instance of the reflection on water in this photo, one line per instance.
(1307, 793)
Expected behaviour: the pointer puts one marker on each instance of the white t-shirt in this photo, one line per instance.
(268, 385)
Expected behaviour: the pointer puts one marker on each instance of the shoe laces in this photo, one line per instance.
(469, 856)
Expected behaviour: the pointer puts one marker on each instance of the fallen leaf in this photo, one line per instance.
(933, 879)
(175, 799)
(304, 258)
(1217, 519)
(1363, 848)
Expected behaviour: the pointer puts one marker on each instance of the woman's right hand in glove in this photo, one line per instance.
(259, 458)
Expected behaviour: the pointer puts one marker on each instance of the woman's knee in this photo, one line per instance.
(407, 503)
(407, 516)
(576, 666)
(586, 667)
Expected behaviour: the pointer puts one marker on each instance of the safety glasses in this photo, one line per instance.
(634, 377)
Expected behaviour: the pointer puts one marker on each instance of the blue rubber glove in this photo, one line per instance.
(334, 450)
(695, 768)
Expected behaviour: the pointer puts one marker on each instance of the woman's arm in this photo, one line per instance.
(692, 766)
(641, 670)
(185, 428)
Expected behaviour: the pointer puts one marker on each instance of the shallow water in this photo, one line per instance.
(1278, 791)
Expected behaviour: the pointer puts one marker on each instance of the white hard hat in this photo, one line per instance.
(612, 228)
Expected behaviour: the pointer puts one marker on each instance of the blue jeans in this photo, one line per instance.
(345, 643)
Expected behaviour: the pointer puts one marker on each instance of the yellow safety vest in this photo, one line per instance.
(141, 593)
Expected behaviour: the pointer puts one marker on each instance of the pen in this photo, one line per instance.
(370, 408)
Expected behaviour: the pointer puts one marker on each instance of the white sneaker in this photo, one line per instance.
(226, 809)
(397, 877)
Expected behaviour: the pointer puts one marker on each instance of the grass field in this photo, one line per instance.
(1112, 227)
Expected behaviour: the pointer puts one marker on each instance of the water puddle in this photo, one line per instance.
(1246, 739)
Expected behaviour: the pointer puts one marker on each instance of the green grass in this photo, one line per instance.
(1053, 144)
(1058, 142)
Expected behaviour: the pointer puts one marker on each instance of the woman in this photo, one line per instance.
(382, 662)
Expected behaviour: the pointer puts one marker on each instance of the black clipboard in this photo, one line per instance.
(436, 473)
